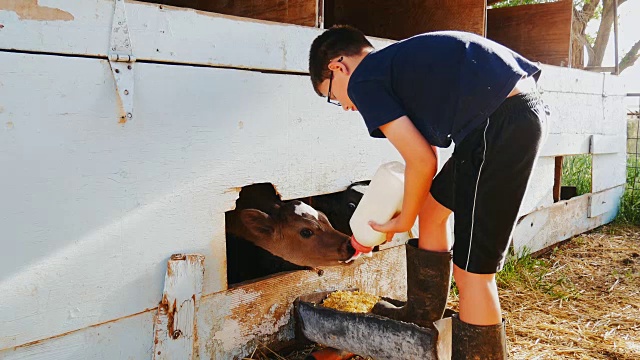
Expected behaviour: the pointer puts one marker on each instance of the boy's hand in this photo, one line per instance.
(396, 225)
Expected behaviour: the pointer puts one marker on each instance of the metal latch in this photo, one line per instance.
(121, 60)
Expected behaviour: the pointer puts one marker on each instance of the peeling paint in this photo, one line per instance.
(30, 10)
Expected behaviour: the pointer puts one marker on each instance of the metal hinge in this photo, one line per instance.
(121, 59)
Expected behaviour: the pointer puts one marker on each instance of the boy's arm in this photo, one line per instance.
(421, 166)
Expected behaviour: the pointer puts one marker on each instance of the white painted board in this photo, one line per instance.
(608, 171)
(573, 113)
(560, 221)
(97, 207)
(600, 203)
(566, 80)
(170, 34)
(574, 144)
(540, 189)
(181, 35)
(176, 325)
(233, 323)
(608, 144)
(130, 338)
(566, 144)
(247, 313)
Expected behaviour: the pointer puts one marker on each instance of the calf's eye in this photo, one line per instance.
(306, 233)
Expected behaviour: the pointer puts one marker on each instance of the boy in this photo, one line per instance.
(430, 90)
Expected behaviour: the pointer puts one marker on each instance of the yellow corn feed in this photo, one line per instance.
(351, 301)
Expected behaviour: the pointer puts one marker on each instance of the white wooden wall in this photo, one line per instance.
(92, 208)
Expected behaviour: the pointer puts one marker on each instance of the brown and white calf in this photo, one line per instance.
(270, 236)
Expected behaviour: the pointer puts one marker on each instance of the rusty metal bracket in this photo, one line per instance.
(121, 59)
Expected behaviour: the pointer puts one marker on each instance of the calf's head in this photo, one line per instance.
(297, 233)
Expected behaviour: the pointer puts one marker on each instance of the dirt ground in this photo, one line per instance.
(578, 300)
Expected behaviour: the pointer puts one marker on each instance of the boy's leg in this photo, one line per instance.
(479, 303)
(493, 166)
(428, 270)
(435, 234)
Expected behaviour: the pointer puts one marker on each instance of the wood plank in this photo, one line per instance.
(608, 171)
(584, 114)
(259, 307)
(175, 35)
(235, 321)
(557, 179)
(180, 35)
(560, 79)
(560, 221)
(540, 32)
(574, 144)
(125, 338)
(565, 144)
(540, 190)
(408, 17)
(616, 86)
(608, 144)
(299, 12)
(176, 330)
(170, 174)
(600, 203)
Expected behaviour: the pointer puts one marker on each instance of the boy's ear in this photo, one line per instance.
(336, 66)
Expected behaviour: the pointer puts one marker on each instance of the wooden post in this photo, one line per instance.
(557, 179)
(176, 334)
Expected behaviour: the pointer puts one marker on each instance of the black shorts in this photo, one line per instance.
(485, 179)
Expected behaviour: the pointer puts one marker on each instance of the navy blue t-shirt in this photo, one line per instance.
(446, 82)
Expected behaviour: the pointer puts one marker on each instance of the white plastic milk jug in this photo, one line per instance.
(381, 201)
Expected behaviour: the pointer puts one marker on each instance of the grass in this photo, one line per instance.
(630, 205)
(576, 171)
(534, 274)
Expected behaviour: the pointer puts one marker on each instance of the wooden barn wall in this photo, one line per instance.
(96, 207)
(298, 12)
(402, 19)
(540, 32)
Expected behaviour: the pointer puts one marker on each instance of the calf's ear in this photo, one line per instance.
(257, 222)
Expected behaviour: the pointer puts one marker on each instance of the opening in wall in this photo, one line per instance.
(572, 176)
(266, 235)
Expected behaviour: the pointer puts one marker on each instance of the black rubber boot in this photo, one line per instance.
(475, 342)
(428, 282)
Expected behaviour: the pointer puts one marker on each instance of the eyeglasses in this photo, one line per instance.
(333, 102)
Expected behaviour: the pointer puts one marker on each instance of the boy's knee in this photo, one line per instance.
(433, 211)
(465, 279)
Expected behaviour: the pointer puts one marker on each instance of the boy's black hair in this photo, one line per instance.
(339, 40)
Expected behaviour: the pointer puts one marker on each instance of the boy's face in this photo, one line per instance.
(336, 88)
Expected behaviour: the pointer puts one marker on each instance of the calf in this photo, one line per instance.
(266, 235)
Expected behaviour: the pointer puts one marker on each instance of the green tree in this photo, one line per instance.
(594, 44)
